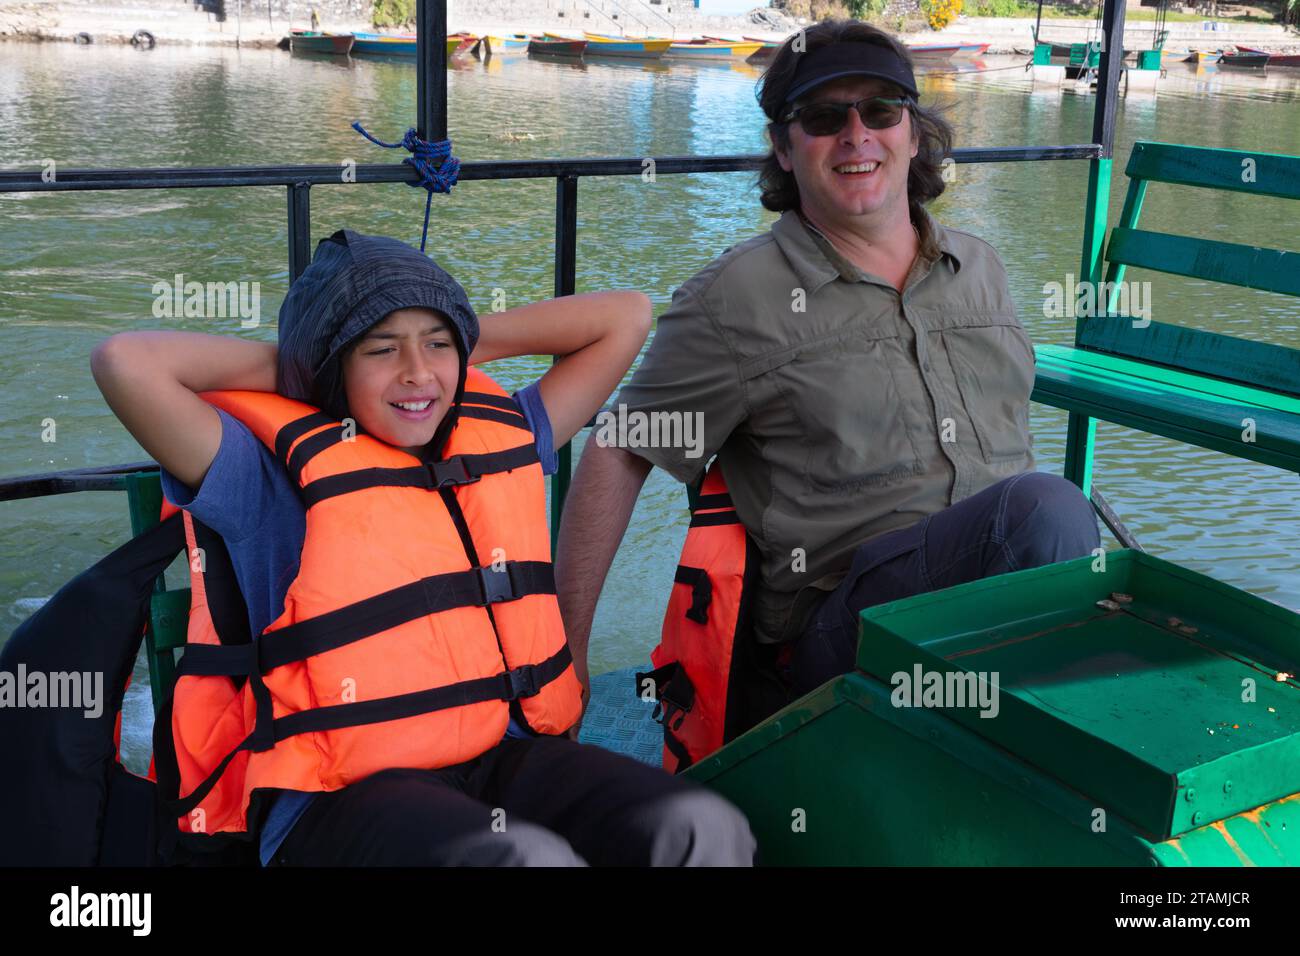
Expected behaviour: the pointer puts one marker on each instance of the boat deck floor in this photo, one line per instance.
(618, 720)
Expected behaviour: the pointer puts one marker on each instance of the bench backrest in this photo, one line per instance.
(1273, 270)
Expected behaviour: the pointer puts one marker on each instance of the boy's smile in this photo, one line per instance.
(401, 376)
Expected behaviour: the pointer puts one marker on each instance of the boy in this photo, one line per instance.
(376, 335)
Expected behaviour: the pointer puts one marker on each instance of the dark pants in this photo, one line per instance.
(1025, 521)
(545, 801)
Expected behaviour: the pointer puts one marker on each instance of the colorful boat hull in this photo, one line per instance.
(943, 52)
(308, 41)
(386, 44)
(1246, 61)
(1274, 59)
(637, 49)
(704, 50)
(564, 47)
(514, 43)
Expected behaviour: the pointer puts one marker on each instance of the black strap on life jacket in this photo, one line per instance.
(701, 592)
(476, 587)
(431, 476)
(514, 418)
(712, 502)
(511, 685)
(709, 518)
(502, 402)
(309, 448)
(291, 432)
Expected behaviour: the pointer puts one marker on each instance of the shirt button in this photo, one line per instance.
(926, 365)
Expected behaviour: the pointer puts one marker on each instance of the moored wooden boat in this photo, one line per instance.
(310, 41)
(508, 43)
(1202, 57)
(383, 44)
(562, 47)
(764, 52)
(640, 48)
(1242, 60)
(943, 52)
(706, 50)
(1274, 59)
(403, 44)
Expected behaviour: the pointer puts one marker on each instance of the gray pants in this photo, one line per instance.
(1024, 521)
(545, 801)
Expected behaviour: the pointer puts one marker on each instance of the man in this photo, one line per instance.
(860, 371)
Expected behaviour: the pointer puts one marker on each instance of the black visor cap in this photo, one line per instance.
(838, 60)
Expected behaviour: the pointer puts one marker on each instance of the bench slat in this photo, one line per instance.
(1210, 353)
(1160, 380)
(1067, 378)
(1253, 267)
(1268, 174)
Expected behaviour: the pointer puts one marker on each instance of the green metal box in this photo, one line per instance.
(1104, 710)
(1148, 59)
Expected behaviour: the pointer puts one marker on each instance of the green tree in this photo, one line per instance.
(393, 13)
(869, 9)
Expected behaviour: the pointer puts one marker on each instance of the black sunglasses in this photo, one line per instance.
(827, 119)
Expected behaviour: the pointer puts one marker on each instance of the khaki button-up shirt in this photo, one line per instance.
(839, 409)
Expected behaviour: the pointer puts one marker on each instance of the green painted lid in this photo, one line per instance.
(1149, 688)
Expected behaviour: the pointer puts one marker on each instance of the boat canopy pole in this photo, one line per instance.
(431, 69)
(1081, 430)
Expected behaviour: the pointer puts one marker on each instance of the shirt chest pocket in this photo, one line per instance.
(993, 366)
(836, 414)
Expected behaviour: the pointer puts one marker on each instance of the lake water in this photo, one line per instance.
(77, 267)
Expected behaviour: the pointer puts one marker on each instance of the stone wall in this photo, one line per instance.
(255, 23)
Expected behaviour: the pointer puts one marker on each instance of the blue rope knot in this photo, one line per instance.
(438, 169)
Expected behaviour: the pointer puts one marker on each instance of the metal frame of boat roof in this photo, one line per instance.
(431, 115)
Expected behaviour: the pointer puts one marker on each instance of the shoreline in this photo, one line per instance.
(44, 22)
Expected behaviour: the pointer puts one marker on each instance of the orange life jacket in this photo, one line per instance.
(423, 606)
(711, 680)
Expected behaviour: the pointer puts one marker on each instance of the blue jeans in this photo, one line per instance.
(1024, 521)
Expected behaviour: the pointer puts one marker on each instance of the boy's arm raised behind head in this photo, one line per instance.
(597, 337)
(151, 380)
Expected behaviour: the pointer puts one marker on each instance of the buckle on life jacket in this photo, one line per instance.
(674, 693)
(701, 592)
(497, 585)
(451, 471)
(521, 682)
(701, 597)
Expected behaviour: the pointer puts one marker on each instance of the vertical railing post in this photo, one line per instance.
(1081, 429)
(299, 229)
(566, 269)
(431, 69)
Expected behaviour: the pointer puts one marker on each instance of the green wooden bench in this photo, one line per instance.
(1201, 387)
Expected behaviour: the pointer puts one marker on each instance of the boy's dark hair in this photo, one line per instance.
(780, 191)
(353, 283)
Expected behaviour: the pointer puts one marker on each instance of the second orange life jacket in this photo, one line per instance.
(711, 680)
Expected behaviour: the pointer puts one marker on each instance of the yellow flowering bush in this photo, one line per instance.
(940, 13)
